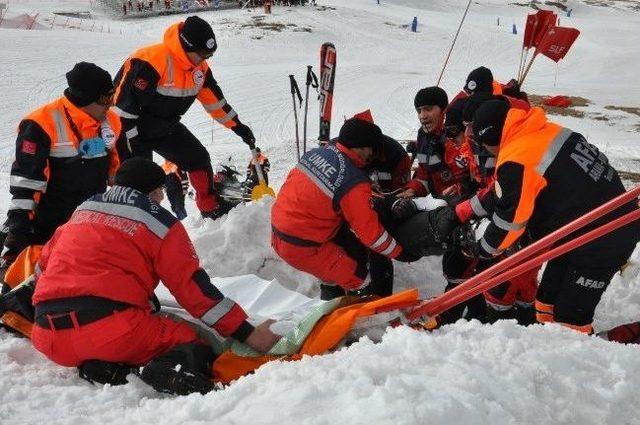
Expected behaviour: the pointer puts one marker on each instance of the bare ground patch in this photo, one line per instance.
(571, 111)
(259, 23)
(634, 110)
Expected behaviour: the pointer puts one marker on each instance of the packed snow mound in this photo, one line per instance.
(240, 243)
(462, 374)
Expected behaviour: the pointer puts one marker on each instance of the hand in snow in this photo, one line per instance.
(262, 339)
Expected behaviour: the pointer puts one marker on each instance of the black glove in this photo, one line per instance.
(20, 233)
(245, 133)
(412, 147)
(403, 208)
(445, 222)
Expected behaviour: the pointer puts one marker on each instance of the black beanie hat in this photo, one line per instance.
(473, 103)
(431, 96)
(479, 80)
(453, 120)
(141, 174)
(87, 83)
(197, 35)
(357, 133)
(488, 122)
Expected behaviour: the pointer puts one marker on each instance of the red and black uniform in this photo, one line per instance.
(99, 272)
(547, 176)
(391, 166)
(156, 86)
(63, 156)
(324, 201)
(443, 167)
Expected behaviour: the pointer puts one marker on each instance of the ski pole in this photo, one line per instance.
(534, 248)
(312, 80)
(453, 43)
(295, 91)
(533, 262)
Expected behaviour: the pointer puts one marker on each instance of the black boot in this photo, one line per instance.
(494, 314)
(329, 292)
(183, 370)
(526, 314)
(104, 372)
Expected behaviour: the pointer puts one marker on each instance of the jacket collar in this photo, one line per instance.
(354, 157)
(519, 123)
(80, 118)
(171, 41)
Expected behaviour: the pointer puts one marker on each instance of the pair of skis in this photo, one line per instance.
(325, 87)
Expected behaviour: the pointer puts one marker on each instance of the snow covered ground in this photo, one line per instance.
(463, 373)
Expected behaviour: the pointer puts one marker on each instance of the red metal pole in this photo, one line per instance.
(534, 248)
(534, 262)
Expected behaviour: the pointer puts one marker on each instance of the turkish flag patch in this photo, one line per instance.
(141, 83)
(29, 147)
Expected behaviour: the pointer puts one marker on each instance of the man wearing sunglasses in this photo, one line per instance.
(156, 86)
(65, 153)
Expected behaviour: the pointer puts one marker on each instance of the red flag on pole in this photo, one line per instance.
(557, 41)
(529, 31)
(546, 19)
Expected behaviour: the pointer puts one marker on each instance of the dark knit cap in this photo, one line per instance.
(141, 174)
(87, 83)
(431, 96)
(479, 80)
(453, 121)
(197, 35)
(473, 103)
(357, 133)
(489, 121)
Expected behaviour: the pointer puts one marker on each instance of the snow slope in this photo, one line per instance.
(464, 373)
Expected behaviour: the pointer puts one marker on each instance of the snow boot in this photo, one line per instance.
(104, 372)
(525, 314)
(181, 371)
(495, 314)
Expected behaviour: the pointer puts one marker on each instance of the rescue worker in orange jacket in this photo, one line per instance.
(323, 221)
(65, 153)
(443, 164)
(514, 298)
(95, 307)
(547, 176)
(156, 86)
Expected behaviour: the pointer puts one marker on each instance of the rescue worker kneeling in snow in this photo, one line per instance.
(323, 221)
(156, 86)
(98, 273)
(547, 176)
(65, 153)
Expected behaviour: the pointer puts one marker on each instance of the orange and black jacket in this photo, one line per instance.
(63, 156)
(547, 176)
(158, 84)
